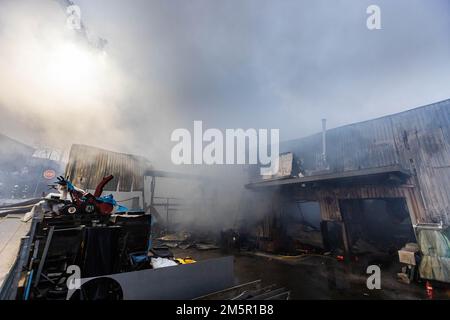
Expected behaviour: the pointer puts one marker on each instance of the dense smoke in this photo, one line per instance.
(55, 88)
(231, 64)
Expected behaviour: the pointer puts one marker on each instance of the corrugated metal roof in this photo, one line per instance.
(88, 165)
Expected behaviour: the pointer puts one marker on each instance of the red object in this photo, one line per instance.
(101, 185)
(49, 174)
(429, 290)
(87, 200)
(340, 258)
(104, 208)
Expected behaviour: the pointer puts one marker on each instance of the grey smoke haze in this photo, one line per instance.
(259, 64)
(234, 63)
(279, 64)
(55, 90)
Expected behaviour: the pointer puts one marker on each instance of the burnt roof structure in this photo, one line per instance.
(413, 143)
(88, 165)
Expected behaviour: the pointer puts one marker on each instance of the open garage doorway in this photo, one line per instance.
(301, 222)
(377, 227)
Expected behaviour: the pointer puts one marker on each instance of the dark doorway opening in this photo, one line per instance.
(301, 222)
(332, 236)
(378, 226)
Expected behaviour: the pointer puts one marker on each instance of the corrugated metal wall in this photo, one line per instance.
(422, 138)
(88, 165)
(418, 140)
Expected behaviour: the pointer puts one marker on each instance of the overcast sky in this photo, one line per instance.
(270, 64)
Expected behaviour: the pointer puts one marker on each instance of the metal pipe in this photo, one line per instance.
(28, 285)
(44, 255)
(324, 142)
(167, 215)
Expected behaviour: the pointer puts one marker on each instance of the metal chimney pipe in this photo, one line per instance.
(324, 142)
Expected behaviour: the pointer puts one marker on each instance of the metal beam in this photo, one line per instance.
(336, 176)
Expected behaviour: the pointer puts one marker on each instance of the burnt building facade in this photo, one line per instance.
(375, 180)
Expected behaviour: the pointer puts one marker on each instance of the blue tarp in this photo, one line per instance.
(110, 199)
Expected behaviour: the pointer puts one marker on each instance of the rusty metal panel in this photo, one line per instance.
(88, 165)
(354, 147)
(423, 138)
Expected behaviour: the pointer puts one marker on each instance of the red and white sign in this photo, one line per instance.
(49, 174)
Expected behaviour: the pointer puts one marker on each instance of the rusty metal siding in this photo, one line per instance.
(354, 147)
(417, 139)
(423, 139)
(88, 165)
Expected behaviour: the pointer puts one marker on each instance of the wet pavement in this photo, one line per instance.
(316, 277)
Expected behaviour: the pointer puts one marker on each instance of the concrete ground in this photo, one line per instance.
(316, 276)
(12, 229)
